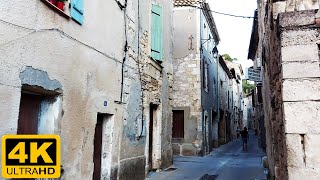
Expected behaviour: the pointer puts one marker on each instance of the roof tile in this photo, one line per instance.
(187, 2)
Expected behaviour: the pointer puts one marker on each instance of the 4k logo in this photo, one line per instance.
(31, 156)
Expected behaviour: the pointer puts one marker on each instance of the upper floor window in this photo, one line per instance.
(61, 6)
(156, 33)
(206, 76)
(77, 10)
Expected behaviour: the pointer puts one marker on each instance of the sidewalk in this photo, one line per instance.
(228, 162)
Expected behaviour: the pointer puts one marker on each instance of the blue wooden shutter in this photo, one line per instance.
(156, 33)
(77, 10)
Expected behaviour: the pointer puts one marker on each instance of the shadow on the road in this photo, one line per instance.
(208, 177)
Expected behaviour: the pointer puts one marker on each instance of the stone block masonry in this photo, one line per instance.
(301, 89)
(302, 117)
(187, 93)
(300, 93)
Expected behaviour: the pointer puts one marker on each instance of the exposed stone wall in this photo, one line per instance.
(300, 83)
(187, 81)
(269, 51)
(289, 51)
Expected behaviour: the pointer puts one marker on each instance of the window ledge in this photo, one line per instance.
(155, 64)
(62, 13)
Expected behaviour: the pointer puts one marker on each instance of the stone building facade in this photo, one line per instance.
(195, 77)
(237, 74)
(88, 77)
(248, 112)
(286, 39)
(225, 104)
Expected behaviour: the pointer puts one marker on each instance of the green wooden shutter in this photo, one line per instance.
(156, 33)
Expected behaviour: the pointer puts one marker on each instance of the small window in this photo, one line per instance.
(60, 4)
(206, 76)
(63, 6)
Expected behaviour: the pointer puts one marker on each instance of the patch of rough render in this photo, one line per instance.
(295, 151)
(278, 7)
(10, 33)
(299, 37)
(294, 19)
(36, 77)
(302, 117)
(312, 149)
(301, 89)
(133, 112)
(300, 53)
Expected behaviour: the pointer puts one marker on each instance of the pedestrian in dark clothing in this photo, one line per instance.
(238, 133)
(245, 136)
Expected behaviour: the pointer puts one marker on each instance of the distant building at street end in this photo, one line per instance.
(195, 102)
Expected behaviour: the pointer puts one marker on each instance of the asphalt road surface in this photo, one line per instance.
(228, 162)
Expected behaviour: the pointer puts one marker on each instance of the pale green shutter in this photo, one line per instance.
(156, 33)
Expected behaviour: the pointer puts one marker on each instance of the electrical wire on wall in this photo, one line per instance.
(139, 70)
(123, 8)
(62, 33)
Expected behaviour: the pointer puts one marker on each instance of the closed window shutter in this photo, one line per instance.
(156, 33)
(208, 77)
(204, 74)
(77, 10)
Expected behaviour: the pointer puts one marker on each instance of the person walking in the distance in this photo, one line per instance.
(245, 136)
(238, 133)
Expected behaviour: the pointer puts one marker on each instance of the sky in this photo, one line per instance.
(234, 32)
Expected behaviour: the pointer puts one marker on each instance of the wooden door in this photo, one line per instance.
(152, 111)
(29, 114)
(97, 148)
(178, 124)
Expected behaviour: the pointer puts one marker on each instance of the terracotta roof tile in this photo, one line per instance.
(187, 2)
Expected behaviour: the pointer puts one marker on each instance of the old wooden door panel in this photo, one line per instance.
(97, 148)
(152, 109)
(178, 124)
(29, 114)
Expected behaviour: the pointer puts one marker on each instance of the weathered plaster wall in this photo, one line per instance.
(73, 63)
(86, 62)
(224, 87)
(209, 96)
(187, 77)
(210, 100)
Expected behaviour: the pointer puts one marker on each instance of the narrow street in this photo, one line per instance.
(228, 162)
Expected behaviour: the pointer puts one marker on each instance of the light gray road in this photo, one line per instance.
(228, 162)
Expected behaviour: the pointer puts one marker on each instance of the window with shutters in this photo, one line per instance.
(77, 10)
(67, 8)
(156, 33)
(206, 76)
